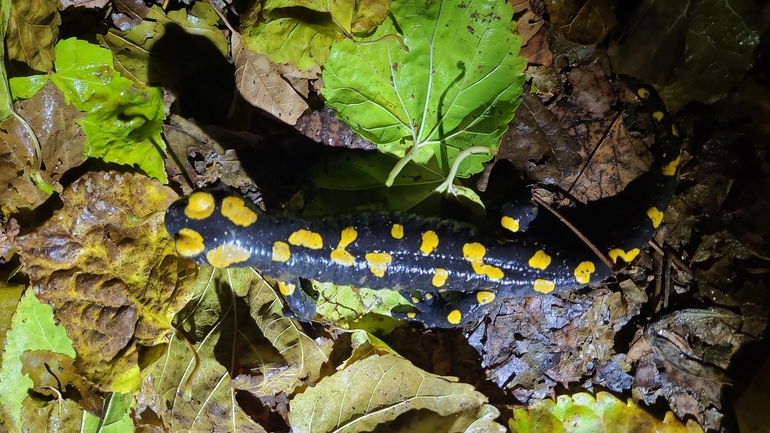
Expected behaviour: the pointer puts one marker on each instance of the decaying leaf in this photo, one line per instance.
(262, 86)
(582, 21)
(105, 262)
(32, 32)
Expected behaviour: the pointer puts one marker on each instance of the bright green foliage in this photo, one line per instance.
(456, 86)
(122, 124)
(584, 413)
(27, 87)
(33, 328)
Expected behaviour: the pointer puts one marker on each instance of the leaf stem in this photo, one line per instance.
(447, 185)
(402, 163)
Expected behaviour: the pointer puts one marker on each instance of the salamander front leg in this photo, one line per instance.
(299, 304)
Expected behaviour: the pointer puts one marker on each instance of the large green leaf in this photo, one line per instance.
(122, 124)
(456, 86)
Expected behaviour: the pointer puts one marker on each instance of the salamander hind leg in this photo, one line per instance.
(445, 310)
(299, 304)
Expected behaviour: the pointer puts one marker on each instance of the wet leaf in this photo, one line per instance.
(33, 328)
(692, 51)
(6, 103)
(107, 265)
(263, 86)
(583, 413)
(27, 87)
(122, 124)
(582, 21)
(457, 86)
(32, 32)
(380, 388)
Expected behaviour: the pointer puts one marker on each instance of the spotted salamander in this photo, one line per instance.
(422, 257)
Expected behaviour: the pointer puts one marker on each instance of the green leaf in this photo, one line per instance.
(456, 87)
(122, 124)
(33, 328)
(6, 105)
(27, 87)
(584, 413)
(290, 40)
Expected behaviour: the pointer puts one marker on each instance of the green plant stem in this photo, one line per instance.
(402, 163)
(447, 185)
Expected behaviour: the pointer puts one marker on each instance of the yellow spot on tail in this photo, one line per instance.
(484, 297)
(341, 256)
(234, 209)
(658, 115)
(429, 242)
(397, 231)
(378, 263)
(286, 289)
(415, 299)
(674, 130)
(429, 296)
(227, 255)
(643, 93)
(411, 314)
(439, 278)
(454, 317)
(627, 257)
(307, 239)
(281, 252)
(656, 216)
(583, 272)
(474, 253)
(510, 224)
(540, 260)
(200, 205)
(670, 168)
(544, 286)
(189, 243)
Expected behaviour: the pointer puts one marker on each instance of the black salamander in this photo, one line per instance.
(414, 254)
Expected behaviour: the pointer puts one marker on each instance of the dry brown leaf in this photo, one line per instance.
(263, 87)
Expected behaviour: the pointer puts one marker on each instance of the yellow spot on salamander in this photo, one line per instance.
(286, 289)
(484, 297)
(397, 231)
(200, 205)
(189, 243)
(544, 286)
(411, 314)
(474, 253)
(674, 130)
(454, 317)
(429, 296)
(227, 255)
(439, 278)
(415, 299)
(281, 252)
(643, 93)
(234, 209)
(341, 256)
(656, 216)
(378, 263)
(540, 260)
(307, 239)
(658, 115)
(627, 257)
(510, 224)
(670, 168)
(429, 242)
(583, 272)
